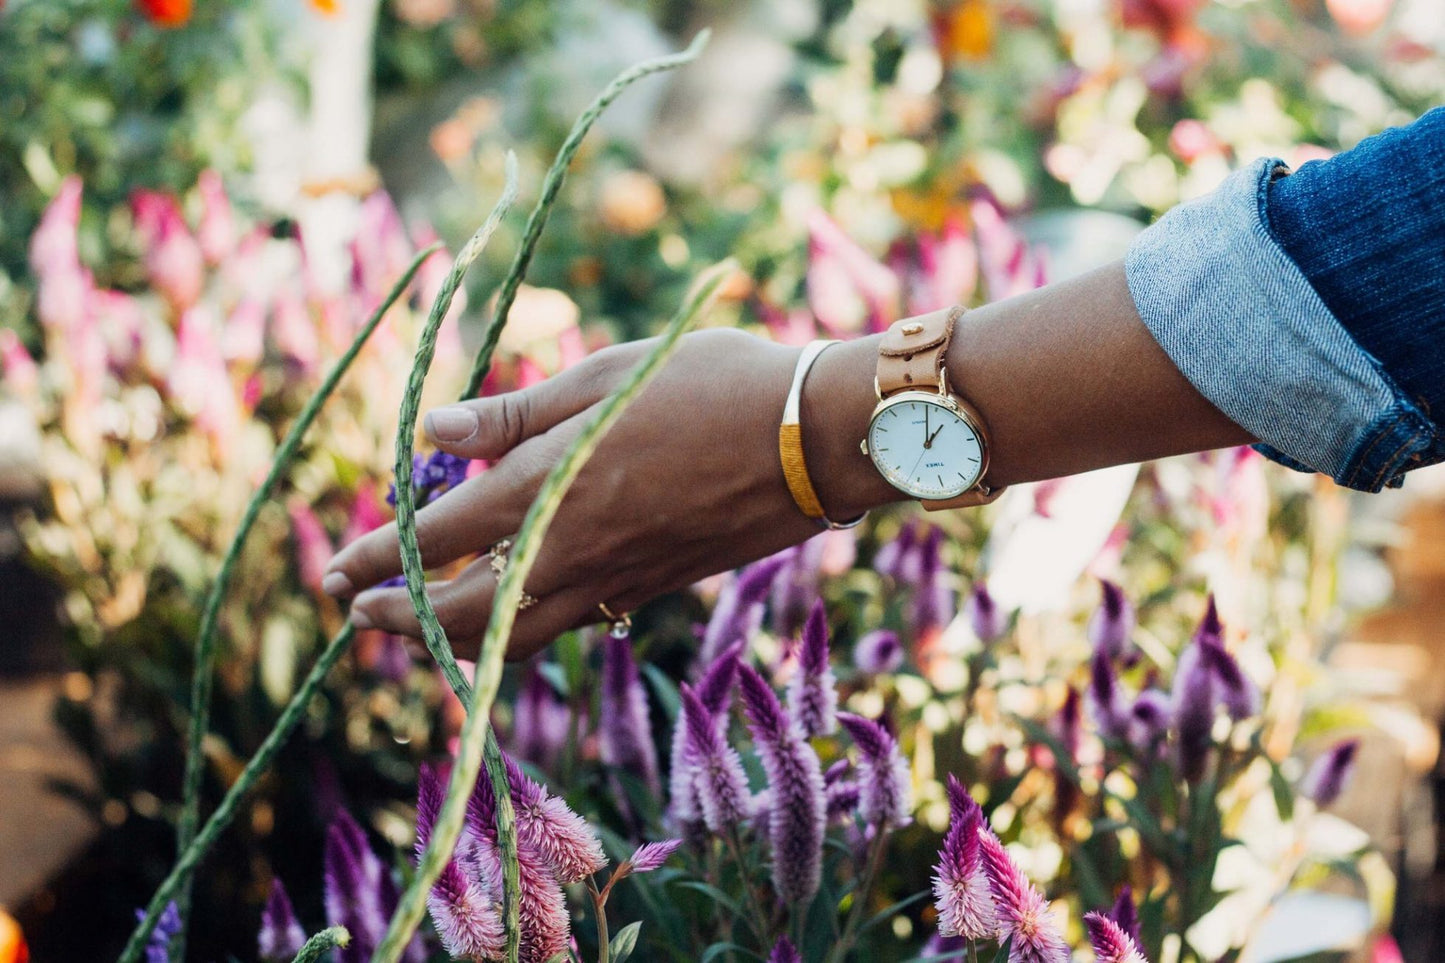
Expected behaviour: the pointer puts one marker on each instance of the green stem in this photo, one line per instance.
(551, 184)
(860, 896)
(604, 942)
(203, 674)
(757, 920)
(322, 943)
(290, 717)
(526, 546)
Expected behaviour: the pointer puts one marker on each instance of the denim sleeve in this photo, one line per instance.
(1310, 308)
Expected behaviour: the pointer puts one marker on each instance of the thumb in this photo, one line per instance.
(490, 427)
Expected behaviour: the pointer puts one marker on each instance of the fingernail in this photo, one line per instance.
(453, 423)
(360, 619)
(336, 583)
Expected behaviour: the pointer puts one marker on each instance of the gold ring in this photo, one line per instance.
(621, 624)
(497, 556)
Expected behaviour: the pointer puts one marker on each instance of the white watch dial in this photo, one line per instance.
(925, 448)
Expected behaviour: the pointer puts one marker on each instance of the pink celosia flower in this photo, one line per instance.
(198, 379)
(1023, 913)
(1111, 943)
(812, 692)
(313, 545)
(1125, 913)
(720, 784)
(798, 807)
(366, 514)
(848, 288)
(464, 906)
(294, 331)
(784, 952)
(173, 259)
(53, 245)
(883, 778)
(650, 856)
(625, 733)
(1330, 774)
(947, 269)
(545, 824)
(17, 367)
(243, 339)
(217, 231)
(540, 720)
(961, 891)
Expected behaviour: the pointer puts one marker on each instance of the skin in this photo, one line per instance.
(688, 483)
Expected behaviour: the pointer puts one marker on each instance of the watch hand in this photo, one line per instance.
(929, 442)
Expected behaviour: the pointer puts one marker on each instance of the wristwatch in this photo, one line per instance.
(928, 442)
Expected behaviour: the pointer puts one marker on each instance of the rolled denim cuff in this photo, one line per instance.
(1244, 325)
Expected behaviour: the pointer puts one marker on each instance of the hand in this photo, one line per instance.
(687, 483)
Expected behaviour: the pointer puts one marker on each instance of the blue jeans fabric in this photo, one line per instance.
(1310, 308)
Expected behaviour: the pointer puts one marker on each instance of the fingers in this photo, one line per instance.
(464, 607)
(479, 512)
(490, 427)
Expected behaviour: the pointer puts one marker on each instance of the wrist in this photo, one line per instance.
(837, 403)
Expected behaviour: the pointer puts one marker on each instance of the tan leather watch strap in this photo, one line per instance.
(978, 495)
(912, 351)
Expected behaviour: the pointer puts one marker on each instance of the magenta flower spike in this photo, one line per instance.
(878, 652)
(812, 692)
(719, 781)
(961, 891)
(883, 777)
(53, 245)
(625, 733)
(784, 952)
(651, 856)
(468, 921)
(1330, 773)
(281, 936)
(1112, 622)
(1125, 913)
(561, 838)
(217, 231)
(1111, 943)
(313, 545)
(1023, 913)
(984, 617)
(798, 808)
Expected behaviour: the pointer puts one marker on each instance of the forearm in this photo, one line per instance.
(1067, 378)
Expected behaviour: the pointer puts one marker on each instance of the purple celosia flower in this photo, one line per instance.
(896, 559)
(1125, 914)
(1067, 729)
(961, 891)
(352, 888)
(1193, 711)
(1023, 913)
(984, 617)
(1235, 691)
(798, 807)
(650, 856)
(842, 793)
(1112, 622)
(158, 946)
(1111, 943)
(1211, 629)
(719, 782)
(784, 952)
(795, 586)
(433, 476)
(625, 733)
(545, 824)
(540, 720)
(878, 652)
(739, 609)
(281, 936)
(812, 696)
(464, 905)
(1107, 702)
(883, 777)
(1330, 773)
(949, 949)
(714, 693)
(933, 602)
(1149, 722)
